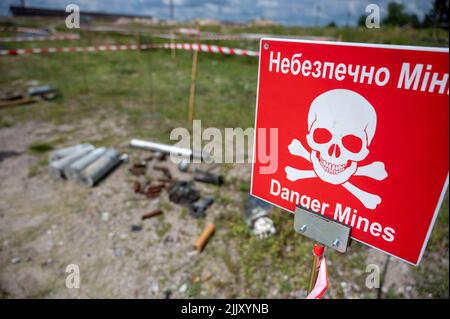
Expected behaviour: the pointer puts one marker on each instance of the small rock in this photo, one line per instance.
(168, 239)
(46, 263)
(136, 228)
(192, 253)
(154, 287)
(105, 216)
(183, 288)
(16, 260)
(119, 252)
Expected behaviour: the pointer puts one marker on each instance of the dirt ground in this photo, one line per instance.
(47, 224)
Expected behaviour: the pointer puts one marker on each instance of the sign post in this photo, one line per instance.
(317, 252)
(361, 138)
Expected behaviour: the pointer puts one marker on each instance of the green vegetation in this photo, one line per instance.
(146, 92)
(40, 147)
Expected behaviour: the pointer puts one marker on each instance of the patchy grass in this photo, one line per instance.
(148, 92)
(40, 148)
(163, 227)
(37, 168)
(431, 276)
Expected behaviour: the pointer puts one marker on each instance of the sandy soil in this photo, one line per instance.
(46, 225)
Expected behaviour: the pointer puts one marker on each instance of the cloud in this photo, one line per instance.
(289, 12)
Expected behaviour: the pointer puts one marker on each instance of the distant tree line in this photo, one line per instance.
(437, 17)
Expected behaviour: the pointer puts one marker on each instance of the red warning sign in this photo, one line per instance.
(356, 132)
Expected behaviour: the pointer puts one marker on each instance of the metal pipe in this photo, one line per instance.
(56, 168)
(41, 90)
(98, 169)
(151, 214)
(73, 171)
(168, 149)
(63, 152)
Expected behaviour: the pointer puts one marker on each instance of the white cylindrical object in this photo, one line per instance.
(72, 171)
(63, 152)
(57, 167)
(98, 169)
(168, 149)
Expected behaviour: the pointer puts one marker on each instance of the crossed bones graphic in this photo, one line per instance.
(375, 170)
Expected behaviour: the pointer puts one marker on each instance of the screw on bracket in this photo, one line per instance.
(302, 229)
(336, 243)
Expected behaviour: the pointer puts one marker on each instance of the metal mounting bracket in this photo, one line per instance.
(322, 229)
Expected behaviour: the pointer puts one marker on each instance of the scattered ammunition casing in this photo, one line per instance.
(57, 168)
(165, 171)
(153, 194)
(73, 171)
(138, 169)
(203, 239)
(137, 187)
(98, 169)
(151, 214)
(63, 152)
(165, 180)
(207, 177)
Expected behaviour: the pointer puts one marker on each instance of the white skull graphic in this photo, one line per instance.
(341, 125)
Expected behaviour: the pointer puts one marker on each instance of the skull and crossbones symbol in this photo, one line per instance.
(341, 126)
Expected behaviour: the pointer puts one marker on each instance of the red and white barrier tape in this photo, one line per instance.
(322, 281)
(101, 48)
(208, 48)
(41, 38)
(125, 47)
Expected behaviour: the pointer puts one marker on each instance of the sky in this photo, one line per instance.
(286, 12)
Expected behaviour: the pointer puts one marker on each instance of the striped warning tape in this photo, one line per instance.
(125, 47)
(41, 38)
(208, 48)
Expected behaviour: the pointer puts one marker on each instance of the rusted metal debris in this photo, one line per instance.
(201, 175)
(164, 170)
(16, 102)
(138, 169)
(165, 180)
(151, 191)
(160, 156)
(152, 214)
(183, 192)
(137, 187)
(198, 209)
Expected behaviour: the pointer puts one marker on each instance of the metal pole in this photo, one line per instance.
(317, 252)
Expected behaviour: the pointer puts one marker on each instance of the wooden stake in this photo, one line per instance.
(193, 80)
(172, 36)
